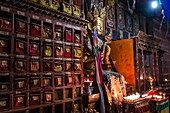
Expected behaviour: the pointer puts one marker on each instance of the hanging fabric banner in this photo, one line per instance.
(99, 81)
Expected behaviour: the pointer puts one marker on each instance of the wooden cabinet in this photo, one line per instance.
(35, 69)
(137, 59)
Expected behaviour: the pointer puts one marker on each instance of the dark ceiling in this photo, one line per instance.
(144, 6)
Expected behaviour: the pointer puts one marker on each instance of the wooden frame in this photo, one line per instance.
(130, 62)
(150, 44)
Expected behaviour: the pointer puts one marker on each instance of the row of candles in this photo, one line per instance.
(134, 97)
(137, 96)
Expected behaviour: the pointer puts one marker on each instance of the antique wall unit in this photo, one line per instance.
(40, 59)
(137, 60)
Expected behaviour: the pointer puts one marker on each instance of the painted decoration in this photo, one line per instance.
(129, 23)
(120, 18)
(110, 18)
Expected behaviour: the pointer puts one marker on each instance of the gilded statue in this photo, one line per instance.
(96, 21)
(106, 49)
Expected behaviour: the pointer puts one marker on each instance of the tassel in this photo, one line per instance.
(162, 20)
(133, 6)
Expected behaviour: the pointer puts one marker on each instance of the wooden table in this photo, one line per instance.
(136, 106)
(159, 106)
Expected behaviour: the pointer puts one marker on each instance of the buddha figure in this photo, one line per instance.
(98, 24)
(96, 21)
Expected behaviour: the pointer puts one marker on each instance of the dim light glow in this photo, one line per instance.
(141, 77)
(154, 4)
(166, 79)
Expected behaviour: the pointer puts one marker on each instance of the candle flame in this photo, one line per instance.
(144, 95)
(150, 77)
(141, 77)
(125, 82)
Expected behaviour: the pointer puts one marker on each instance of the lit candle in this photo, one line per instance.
(141, 77)
(164, 94)
(88, 78)
(133, 97)
(150, 77)
(157, 96)
(125, 82)
(160, 93)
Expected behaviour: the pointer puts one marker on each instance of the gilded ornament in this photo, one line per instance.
(76, 11)
(89, 16)
(44, 3)
(111, 3)
(54, 4)
(95, 12)
(34, 0)
(67, 8)
(103, 13)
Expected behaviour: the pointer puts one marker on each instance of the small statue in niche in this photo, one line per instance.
(106, 49)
